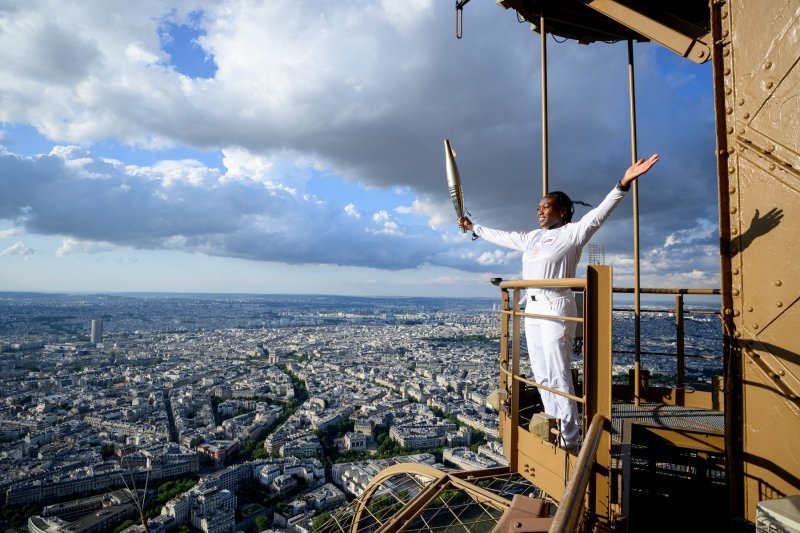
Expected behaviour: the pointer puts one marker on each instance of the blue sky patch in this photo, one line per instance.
(337, 190)
(180, 41)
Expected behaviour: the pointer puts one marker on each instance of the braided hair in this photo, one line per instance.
(566, 204)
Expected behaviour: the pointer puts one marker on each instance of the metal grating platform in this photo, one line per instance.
(673, 416)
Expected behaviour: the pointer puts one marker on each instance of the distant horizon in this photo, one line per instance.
(625, 298)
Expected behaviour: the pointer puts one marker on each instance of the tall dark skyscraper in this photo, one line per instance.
(97, 331)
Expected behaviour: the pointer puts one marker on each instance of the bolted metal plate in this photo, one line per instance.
(764, 44)
(769, 248)
(760, 73)
(772, 431)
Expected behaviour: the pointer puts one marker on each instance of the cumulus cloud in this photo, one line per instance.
(181, 205)
(8, 233)
(702, 231)
(97, 204)
(439, 214)
(71, 245)
(352, 210)
(363, 89)
(18, 249)
(497, 257)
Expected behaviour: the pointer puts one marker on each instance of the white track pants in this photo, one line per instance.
(550, 349)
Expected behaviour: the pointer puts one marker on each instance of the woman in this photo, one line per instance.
(553, 252)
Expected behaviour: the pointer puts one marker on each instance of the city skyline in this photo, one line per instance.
(242, 147)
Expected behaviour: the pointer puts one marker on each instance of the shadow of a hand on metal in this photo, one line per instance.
(760, 226)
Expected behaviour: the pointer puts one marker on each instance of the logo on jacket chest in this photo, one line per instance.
(542, 243)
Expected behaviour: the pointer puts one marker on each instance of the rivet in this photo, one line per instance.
(742, 131)
(740, 101)
(746, 115)
(735, 292)
(728, 90)
(734, 231)
(733, 209)
(755, 326)
(769, 85)
(701, 53)
(731, 190)
(779, 304)
(731, 150)
(778, 283)
(772, 166)
(726, 71)
(770, 148)
(729, 110)
(726, 52)
(731, 170)
(724, 33)
(724, 14)
(754, 355)
(729, 129)
(749, 309)
(773, 375)
(737, 333)
(518, 525)
(735, 271)
(781, 372)
(768, 65)
(728, 311)
(736, 313)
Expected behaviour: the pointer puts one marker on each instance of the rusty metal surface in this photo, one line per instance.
(757, 61)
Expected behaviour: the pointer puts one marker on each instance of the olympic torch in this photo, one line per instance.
(454, 180)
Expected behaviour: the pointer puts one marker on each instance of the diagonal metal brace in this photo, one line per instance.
(695, 49)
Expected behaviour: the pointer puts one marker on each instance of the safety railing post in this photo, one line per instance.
(505, 384)
(597, 381)
(515, 384)
(680, 392)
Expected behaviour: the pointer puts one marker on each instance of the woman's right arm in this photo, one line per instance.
(508, 239)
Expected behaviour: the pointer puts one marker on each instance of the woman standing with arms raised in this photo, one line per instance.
(553, 252)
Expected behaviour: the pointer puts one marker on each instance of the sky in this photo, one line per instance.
(295, 146)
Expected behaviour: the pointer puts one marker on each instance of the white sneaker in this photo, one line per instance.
(571, 448)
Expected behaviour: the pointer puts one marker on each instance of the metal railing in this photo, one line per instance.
(523, 449)
(515, 313)
(680, 352)
(551, 470)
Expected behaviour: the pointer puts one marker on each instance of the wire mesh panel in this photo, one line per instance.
(414, 501)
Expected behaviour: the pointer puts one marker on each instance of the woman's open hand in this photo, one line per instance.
(637, 169)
